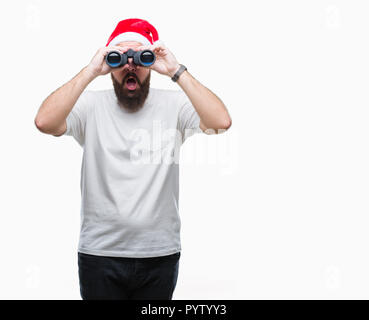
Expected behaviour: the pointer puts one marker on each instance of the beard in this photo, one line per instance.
(132, 101)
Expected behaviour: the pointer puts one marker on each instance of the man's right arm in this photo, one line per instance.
(52, 115)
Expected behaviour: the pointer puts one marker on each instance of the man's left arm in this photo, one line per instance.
(211, 110)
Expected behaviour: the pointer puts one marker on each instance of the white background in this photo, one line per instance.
(277, 207)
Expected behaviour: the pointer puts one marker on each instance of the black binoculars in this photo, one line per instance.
(115, 59)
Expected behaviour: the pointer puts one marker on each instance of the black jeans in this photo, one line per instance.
(127, 278)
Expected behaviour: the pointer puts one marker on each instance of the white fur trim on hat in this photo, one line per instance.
(130, 36)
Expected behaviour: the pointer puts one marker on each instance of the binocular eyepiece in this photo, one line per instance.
(145, 58)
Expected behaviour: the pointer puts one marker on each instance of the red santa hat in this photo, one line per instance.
(134, 30)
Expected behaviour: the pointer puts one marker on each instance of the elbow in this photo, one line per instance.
(42, 125)
(39, 124)
(217, 129)
(225, 121)
(225, 125)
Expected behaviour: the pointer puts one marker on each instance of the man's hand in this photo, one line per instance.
(97, 66)
(165, 63)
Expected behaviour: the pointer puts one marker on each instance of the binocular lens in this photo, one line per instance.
(147, 57)
(114, 59)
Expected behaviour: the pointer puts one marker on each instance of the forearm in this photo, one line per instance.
(211, 110)
(56, 107)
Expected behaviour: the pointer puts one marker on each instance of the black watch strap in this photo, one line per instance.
(181, 69)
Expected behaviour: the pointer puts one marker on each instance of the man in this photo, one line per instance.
(129, 245)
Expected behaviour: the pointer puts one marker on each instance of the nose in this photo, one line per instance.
(131, 65)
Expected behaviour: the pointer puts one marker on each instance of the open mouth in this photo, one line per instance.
(131, 83)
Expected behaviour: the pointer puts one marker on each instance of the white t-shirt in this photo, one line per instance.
(130, 172)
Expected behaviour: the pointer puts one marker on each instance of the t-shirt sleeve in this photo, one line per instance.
(77, 118)
(188, 118)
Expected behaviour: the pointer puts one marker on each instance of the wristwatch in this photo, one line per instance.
(181, 69)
